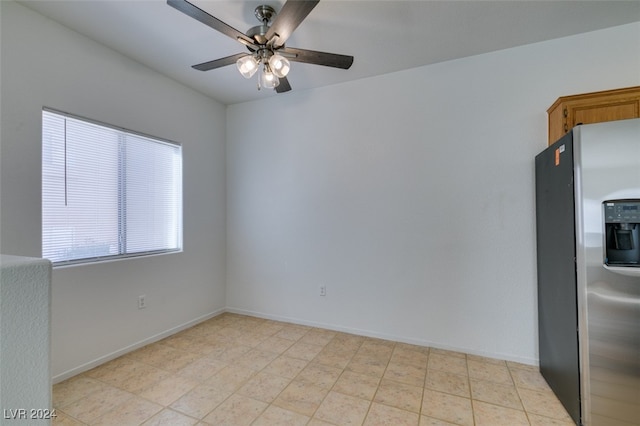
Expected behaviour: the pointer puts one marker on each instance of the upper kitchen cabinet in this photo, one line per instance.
(569, 111)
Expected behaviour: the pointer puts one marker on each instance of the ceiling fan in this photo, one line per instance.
(266, 43)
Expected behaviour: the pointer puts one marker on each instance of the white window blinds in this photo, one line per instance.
(107, 192)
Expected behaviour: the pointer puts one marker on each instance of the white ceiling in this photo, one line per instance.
(383, 36)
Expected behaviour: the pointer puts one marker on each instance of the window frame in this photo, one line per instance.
(122, 133)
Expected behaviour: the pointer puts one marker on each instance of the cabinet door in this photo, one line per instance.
(569, 111)
(586, 114)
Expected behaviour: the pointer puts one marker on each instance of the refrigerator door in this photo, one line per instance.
(607, 167)
(556, 252)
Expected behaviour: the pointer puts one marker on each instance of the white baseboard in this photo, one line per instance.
(384, 336)
(113, 355)
(360, 332)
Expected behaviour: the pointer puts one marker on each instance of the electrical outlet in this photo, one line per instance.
(323, 290)
(142, 301)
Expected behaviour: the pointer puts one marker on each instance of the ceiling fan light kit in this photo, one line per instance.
(247, 65)
(265, 43)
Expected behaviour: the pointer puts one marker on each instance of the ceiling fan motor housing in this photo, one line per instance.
(265, 41)
(265, 14)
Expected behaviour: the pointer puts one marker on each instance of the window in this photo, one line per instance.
(106, 192)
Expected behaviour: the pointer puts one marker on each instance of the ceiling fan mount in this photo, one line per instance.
(264, 13)
(266, 43)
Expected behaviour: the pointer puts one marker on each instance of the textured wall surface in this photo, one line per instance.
(95, 306)
(25, 314)
(408, 195)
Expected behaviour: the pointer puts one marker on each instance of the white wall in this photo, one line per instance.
(409, 195)
(25, 334)
(95, 313)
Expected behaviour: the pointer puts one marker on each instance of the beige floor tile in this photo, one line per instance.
(63, 419)
(303, 350)
(233, 352)
(402, 347)
(538, 420)
(273, 416)
(486, 359)
(165, 357)
(378, 344)
(168, 390)
(367, 365)
(504, 395)
(399, 395)
(318, 337)
(292, 332)
(452, 364)
(264, 387)
(407, 354)
(319, 375)
(318, 422)
(383, 415)
(486, 414)
(378, 349)
(341, 409)
(284, 366)
(303, 398)
(230, 333)
(269, 328)
(188, 344)
(275, 344)
(447, 353)
(251, 339)
(143, 379)
(519, 365)
(430, 421)
(444, 381)
(202, 369)
(333, 357)
(233, 369)
(497, 373)
(451, 408)
(256, 359)
(231, 377)
(73, 389)
(344, 342)
(357, 384)
(96, 404)
(529, 379)
(543, 403)
(405, 373)
(199, 401)
(134, 411)
(113, 365)
(237, 410)
(202, 330)
(129, 374)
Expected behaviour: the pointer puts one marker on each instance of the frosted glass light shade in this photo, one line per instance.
(247, 65)
(279, 65)
(268, 79)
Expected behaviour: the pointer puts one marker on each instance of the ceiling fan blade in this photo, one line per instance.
(217, 63)
(318, 58)
(196, 13)
(287, 20)
(284, 85)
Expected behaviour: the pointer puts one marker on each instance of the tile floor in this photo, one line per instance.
(239, 370)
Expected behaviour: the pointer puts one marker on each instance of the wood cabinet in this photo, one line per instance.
(569, 111)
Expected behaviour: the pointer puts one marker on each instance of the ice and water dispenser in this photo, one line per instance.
(622, 229)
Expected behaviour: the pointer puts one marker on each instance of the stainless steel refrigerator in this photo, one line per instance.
(588, 249)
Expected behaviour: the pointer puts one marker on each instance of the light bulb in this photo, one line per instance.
(247, 65)
(268, 79)
(280, 65)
